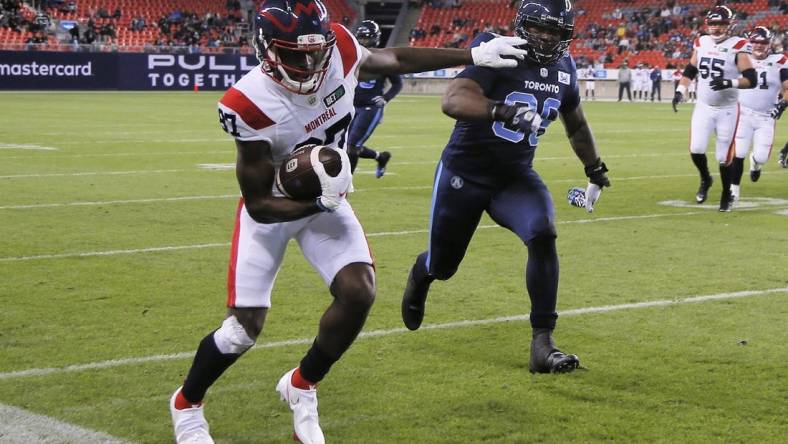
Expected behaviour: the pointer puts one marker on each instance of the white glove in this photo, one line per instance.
(489, 53)
(593, 191)
(379, 101)
(334, 188)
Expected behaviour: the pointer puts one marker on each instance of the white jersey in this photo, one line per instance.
(718, 60)
(258, 108)
(763, 97)
(641, 76)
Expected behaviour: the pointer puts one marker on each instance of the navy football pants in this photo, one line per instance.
(523, 206)
(364, 123)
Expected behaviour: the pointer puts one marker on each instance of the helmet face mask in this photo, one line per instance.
(547, 25)
(294, 42)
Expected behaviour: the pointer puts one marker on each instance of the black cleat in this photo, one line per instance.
(413, 301)
(383, 159)
(726, 201)
(703, 190)
(782, 159)
(546, 358)
(755, 175)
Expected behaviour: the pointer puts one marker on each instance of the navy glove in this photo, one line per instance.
(518, 117)
(718, 84)
(677, 98)
(778, 109)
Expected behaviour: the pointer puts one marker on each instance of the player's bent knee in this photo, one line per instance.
(354, 285)
(698, 149)
(231, 337)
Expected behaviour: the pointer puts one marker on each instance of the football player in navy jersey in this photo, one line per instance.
(369, 102)
(487, 165)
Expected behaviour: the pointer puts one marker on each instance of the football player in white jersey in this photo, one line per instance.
(588, 74)
(301, 93)
(719, 59)
(760, 108)
(642, 82)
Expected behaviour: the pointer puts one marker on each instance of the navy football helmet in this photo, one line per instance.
(368, 34)
(293, 39)
(718, 22)
(547, 25)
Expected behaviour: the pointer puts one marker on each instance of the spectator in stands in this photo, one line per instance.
(623, 44)
(624, 81)
(102, 13)
(117, 14)
(435, 30)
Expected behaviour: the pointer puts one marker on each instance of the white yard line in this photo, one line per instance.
(377, 234)
(91, 173)
(117, 202)
(19, 426)
(393, 331)
(225, 244)
(25, 146)
(135, 154)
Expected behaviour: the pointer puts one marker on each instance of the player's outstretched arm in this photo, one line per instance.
(689, 74)
(386, 61)
(255, 172)
(584, 146)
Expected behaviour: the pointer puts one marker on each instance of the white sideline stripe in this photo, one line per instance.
(19, 426)
(378, 234)
(392, 331)
(91, 173)
(137, 154)
(25, 146)
(117, 202)
(113, 252)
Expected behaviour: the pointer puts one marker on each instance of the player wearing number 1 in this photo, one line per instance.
(301, 93)
(718, 58)
(487, 167)
(760, 108)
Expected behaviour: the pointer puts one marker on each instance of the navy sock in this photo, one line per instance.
(702, 165)
(367, 153)
(737, 169)
(209, 363)
(316, 364)
(541, 279)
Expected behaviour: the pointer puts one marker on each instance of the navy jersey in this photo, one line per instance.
(369, 89)
(489, 152)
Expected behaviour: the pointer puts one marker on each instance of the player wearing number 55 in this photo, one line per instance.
(717, 60)
(488, 166)
(300, 94)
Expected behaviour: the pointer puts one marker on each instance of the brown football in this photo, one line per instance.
(296, 177)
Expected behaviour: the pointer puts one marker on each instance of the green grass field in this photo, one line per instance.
(113, 250)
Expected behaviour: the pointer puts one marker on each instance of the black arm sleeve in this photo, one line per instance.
(751, 75)
(783, 75)
(690, 71)
(396, 87)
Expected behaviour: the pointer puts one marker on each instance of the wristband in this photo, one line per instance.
(681, 89)
(735, 83)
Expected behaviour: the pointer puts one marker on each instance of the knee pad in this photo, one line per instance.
(231, 337)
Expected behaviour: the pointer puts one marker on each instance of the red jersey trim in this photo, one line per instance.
(346, 46)
(697, 42)
(740, 45)
(783, 60)
(249, 112)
